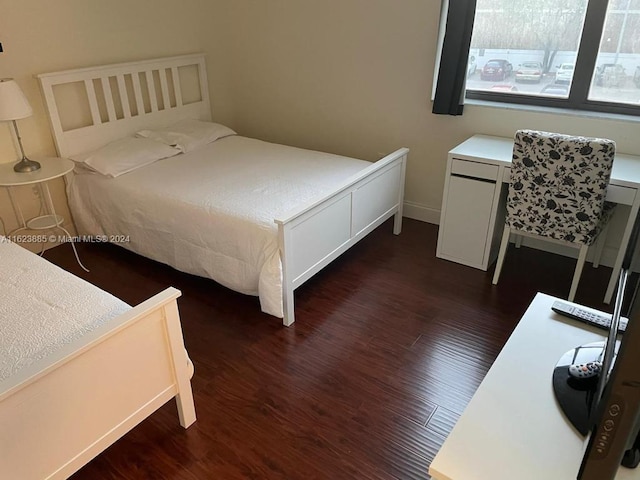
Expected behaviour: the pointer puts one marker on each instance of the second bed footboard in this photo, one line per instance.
(62, 411)
(315, 234)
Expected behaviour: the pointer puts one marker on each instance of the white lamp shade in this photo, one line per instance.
(13, 103)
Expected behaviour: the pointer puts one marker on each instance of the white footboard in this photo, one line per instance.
(63, 412)
(314, 235)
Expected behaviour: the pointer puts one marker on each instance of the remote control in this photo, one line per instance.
(600, 320)
(585, 371)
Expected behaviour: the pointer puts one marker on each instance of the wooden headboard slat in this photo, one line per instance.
(108, 98)
(137, 92)
(124, 98)
(151, 86)
(164, 88)
(93, 101)
(176, 86)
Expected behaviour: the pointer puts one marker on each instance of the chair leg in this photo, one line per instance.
(600, 241)
(518, 241)
(501, 254)
(582, 256)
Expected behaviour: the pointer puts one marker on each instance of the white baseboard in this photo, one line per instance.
(421, 212)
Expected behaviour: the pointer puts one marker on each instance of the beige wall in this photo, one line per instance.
(346, 76)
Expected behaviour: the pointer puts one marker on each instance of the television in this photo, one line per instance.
(609, 407)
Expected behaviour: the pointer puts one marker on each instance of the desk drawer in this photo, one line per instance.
(622, 195)
(466, 168)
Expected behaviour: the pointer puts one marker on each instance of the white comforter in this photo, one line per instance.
(43, 307)
(211, 212)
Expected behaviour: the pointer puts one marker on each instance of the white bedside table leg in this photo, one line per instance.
(73, 245)
(17, 211)
(48, 200)
(52, 211)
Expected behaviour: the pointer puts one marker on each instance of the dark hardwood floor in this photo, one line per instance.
(389, 345)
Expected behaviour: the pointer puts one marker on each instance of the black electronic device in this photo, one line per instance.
(614, 436)
(614, 400)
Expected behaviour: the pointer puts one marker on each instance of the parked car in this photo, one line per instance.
(504, 88)
(610, 75)
(564, 73)
(471, 66)
(636, 77)
(529, 72)
(555, 90)
(496, 69)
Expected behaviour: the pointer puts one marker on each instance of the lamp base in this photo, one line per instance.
(25, 165)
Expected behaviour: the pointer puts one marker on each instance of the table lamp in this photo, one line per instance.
(14, 106)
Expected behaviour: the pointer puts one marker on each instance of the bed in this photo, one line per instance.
(78, 367)
(186, 213)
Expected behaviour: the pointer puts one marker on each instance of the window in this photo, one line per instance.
(582, 54)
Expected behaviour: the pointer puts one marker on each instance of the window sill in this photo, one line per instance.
(553, 110)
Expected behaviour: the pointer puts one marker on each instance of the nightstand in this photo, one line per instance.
(51, 168)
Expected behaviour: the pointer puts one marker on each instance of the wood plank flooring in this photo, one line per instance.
(389, 345)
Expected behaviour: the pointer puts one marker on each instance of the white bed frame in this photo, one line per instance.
(309, 237)
(59, 413)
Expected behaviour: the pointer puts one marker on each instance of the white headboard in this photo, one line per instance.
(90, 107)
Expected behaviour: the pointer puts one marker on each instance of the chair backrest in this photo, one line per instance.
(558, 185)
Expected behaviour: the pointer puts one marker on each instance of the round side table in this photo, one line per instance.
(51, 168)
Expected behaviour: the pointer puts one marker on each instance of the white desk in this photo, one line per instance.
(473, 203)
(520, 432)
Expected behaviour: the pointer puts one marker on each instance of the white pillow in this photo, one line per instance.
(188, 135)
(125, 155)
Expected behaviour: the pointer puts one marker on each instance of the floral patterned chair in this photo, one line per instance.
(557, 192)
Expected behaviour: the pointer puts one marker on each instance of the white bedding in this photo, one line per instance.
(211, 212)
(43, 307)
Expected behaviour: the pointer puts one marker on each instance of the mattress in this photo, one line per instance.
(211, 212)
(43, 307)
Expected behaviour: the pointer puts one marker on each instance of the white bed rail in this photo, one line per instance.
(313, 235)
